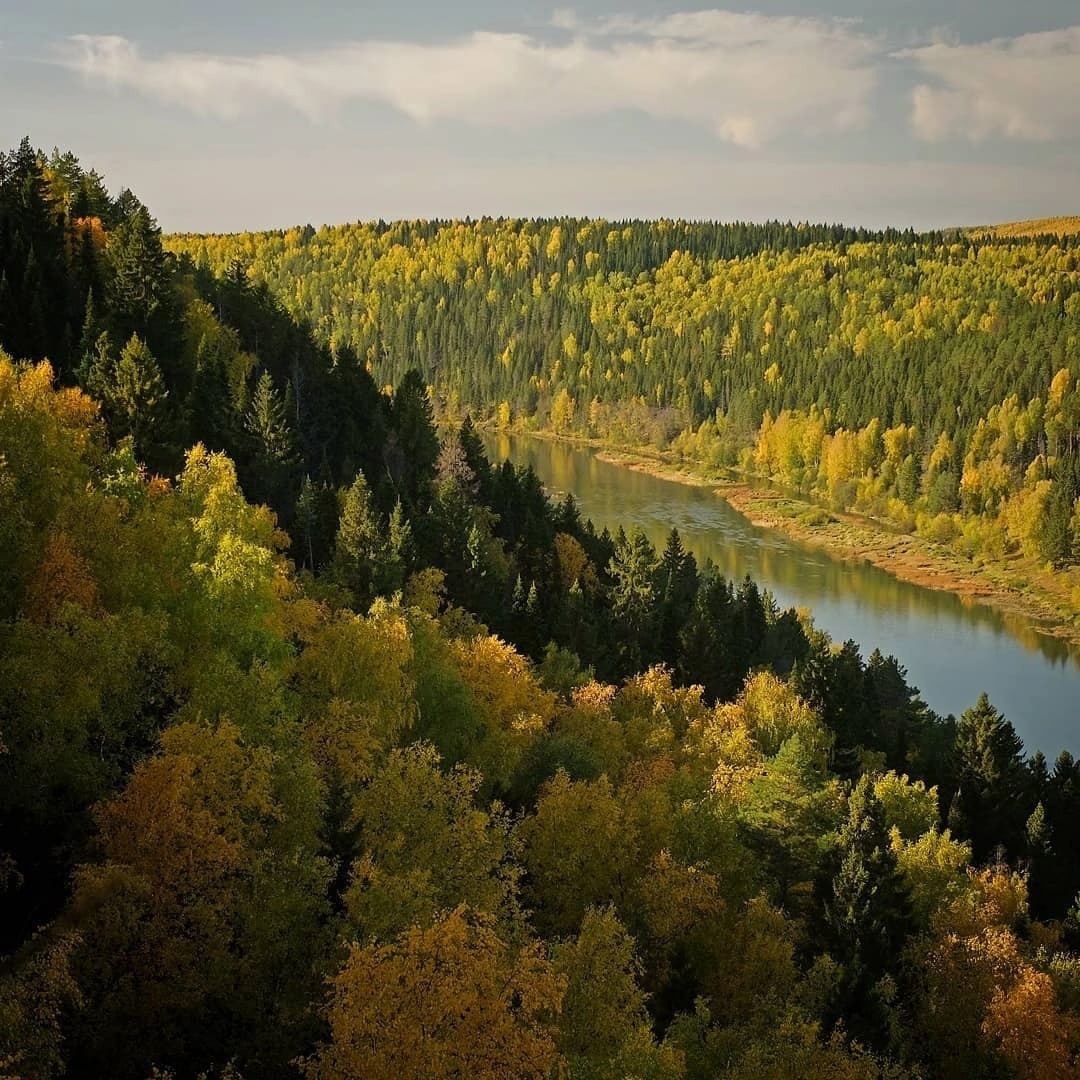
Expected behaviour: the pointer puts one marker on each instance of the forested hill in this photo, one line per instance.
(927, 379)
(1044, 227)
(329, 748)
(926, 330)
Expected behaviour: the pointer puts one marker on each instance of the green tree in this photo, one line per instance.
(273, 448)
(677, 583)
(140, 295)
(604, 1031)
(360, 547)
(424, 856)
(135, 396)
(417, 445)
(993, 799)
(866, 919)
(634, 597)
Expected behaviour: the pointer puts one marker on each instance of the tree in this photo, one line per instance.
(140, 293)
(866, 918)
(273, 449)
(562, 412)
(604, 1031)
(135, 397)
(447, 1001)
(203, 924)
(578, 852)
(417, 448)
(634, 594)
(677, 587)
(316, 515)
(511, 706)
(360, 550)
(991, 805)
(425, 856)
(475, 457)
(1037, 1040)
(712, 651)
(35, 998)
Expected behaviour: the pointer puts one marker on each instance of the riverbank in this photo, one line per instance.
(1020, 591)
(1031, 599)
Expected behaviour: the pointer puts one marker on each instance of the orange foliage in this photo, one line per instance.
(63, 577)
(1035, 1037)
(574, 563)
(87, 228)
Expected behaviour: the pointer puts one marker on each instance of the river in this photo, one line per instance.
(953, 649)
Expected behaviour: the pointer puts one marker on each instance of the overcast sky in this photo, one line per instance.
(227, 115)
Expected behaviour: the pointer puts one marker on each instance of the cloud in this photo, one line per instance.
(748, 78)
(1019, 88)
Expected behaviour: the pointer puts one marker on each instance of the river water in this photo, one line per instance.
(953, 649)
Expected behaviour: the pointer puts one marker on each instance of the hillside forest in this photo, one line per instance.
(330, 748)
(927, 380)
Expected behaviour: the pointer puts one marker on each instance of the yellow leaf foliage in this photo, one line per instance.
(448, 1001)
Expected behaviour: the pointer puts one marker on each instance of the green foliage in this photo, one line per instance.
(214, 809)
(422, 856)
(604, 1026)
(866, 913)
(992, 802)
(135, 395)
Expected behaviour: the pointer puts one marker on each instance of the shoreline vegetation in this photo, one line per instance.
(1027, 597)
(927, 379)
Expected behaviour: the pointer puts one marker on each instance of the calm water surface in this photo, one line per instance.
(952, 649)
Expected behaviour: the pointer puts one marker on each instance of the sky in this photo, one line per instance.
(225, 116)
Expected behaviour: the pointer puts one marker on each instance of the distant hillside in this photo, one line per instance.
(1053, 226)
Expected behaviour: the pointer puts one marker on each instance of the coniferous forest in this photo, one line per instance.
(929, 380)
(330, 748)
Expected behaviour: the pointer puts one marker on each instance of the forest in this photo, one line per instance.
(330, 748)
(928, 380)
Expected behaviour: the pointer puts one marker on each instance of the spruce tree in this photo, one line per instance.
(135, 396)
(866, 919)
(992, 801)
(360, 548)
(414, 424)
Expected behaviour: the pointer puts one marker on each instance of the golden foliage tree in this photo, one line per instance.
(448, 1001)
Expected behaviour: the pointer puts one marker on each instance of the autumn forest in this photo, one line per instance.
(331, 748)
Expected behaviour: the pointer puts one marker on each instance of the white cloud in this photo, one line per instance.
(748, 78)
(1020, 88)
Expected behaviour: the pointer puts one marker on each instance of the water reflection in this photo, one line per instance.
(953, 648)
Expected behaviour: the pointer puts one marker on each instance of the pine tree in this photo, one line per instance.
(473, 448)
(360, 548)
(866, 918)
(634, 597)
(992, 801)
(414, 424)
(212, 419)
(1055, 535)
(92, 329)
(140, 290)
(271, 436)
(400, 550)
(678, 587)
(135, 395)
(315, 521)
